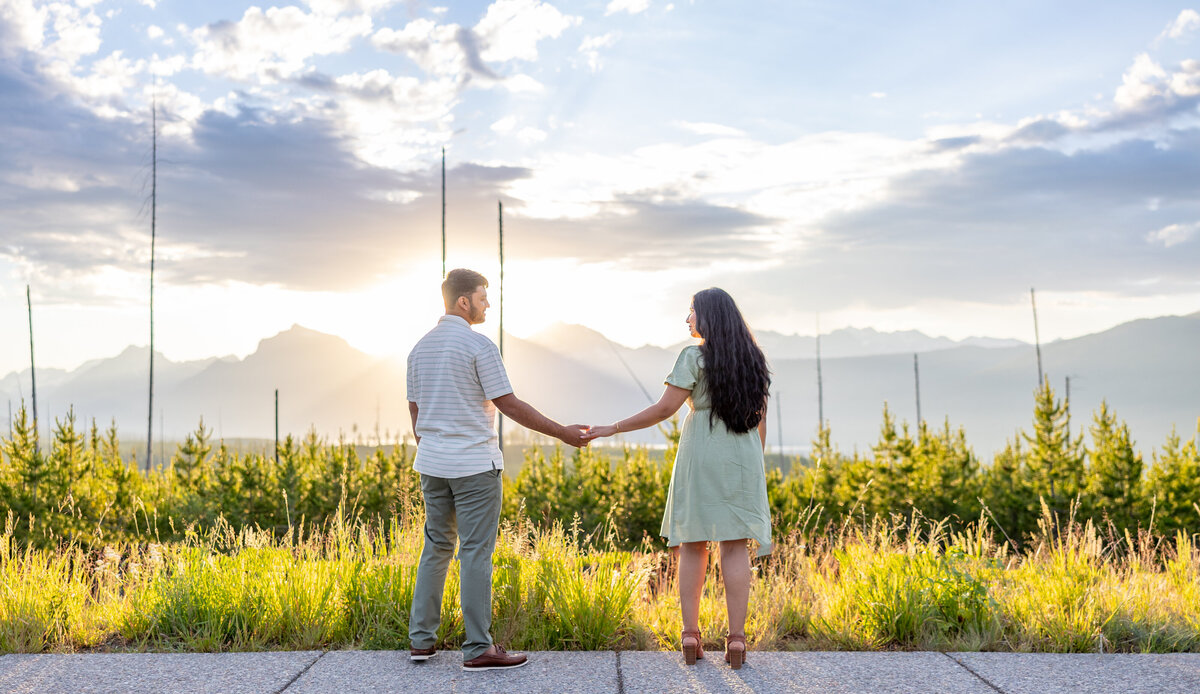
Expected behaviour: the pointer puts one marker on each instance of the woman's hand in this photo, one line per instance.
(600, 431)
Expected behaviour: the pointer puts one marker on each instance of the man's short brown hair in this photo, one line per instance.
(461, 282)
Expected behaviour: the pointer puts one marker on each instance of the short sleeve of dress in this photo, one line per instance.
(687, 369)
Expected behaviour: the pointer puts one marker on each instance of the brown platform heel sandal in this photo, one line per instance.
(735, 656)
(692, 651)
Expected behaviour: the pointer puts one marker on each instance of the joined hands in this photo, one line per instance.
(600, 431)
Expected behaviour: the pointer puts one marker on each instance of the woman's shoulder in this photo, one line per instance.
(692, 355)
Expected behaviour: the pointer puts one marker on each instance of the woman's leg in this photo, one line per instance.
(693, 560)
(735, 569)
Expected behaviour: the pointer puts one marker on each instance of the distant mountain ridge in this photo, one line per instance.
(1148, 370)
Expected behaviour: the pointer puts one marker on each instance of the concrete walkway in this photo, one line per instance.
(629, 672)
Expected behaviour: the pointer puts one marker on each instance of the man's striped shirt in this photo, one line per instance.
(454, 373)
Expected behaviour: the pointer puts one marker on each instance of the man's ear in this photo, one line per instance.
(463, 303)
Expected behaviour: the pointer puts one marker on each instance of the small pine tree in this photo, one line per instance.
(1008, 494)
(1174, 482)
(1056, 458)
(1114, 488)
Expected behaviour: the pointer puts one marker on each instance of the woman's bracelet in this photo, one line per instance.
(618, 426)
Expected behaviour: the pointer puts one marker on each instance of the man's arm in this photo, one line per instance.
(524, 414)
(412, 414)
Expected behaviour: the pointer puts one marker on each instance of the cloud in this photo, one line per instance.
(591, 45)
(531, 135)
(22, 26)
(630, 6)
(297, 209)
(1014, 218)
(686, 233)
(335, 7)
(715, 129)
(273, 44)
(511, 29)
(1173, 234)
(505, 124)
(1187, 21)
(443, 50)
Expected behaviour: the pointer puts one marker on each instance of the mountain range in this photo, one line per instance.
(1148, 370)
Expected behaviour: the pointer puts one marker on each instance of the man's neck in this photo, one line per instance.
(460, 315)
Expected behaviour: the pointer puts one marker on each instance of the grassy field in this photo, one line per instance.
(878, 586)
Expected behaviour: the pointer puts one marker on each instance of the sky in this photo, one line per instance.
(899, 166)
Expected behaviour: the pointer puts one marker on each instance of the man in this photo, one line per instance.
(456, 382)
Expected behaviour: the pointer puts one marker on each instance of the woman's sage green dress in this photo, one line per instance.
(718, 487)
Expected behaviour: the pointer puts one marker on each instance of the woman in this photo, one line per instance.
(718, 488)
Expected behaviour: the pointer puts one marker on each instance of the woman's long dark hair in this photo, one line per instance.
(734, 365)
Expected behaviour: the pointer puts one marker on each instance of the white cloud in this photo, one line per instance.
(878, 95)
(149, 3)
(335, 7)
(799, 181)
(523, 84)
(1142, 82)
(511, 29)
(1187, 21)
(434, 47)
(1173, 234)
(1186, 82)
(529, 135)
(274, 44)
(154, 32)
(76, 34)
(27, 21)
(392, 119)
(591, 45)
(710, 129)
(505, 124)
(1147, 83)
(110, 77)
(38, 178)
(630, 6)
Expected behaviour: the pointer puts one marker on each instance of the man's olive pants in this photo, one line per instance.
(466, 509)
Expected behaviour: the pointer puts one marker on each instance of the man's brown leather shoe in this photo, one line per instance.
(421, 653)
(495, 658)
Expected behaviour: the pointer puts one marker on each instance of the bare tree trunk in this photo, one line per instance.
(820, 385)
(917, 381)
(32, 370)
(443, 213)
(500, 219)
(153, 233)
(1037, 340)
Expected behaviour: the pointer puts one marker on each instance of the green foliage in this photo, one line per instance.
(1174, 481)
(78, 488)
(1114, 488)
(1056, 459)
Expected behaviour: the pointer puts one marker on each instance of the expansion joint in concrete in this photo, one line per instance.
(980, 677)
(300, 674)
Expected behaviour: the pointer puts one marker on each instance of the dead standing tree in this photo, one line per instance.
(153, 235)
(32, 370)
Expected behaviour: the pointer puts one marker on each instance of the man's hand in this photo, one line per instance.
(574, 435)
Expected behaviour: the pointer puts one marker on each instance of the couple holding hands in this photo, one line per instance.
(456, 381)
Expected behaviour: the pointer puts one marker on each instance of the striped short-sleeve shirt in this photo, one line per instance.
(454, 373)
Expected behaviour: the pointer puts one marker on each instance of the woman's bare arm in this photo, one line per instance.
(670, 402)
